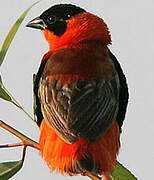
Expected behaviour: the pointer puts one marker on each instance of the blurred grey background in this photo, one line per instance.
(132, 27)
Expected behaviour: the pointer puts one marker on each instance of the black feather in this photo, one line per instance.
(123, 94)
(38, 111)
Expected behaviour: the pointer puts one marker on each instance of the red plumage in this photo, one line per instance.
(81, 93)
(61, 156)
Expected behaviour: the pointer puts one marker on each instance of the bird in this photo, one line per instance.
(81, 93)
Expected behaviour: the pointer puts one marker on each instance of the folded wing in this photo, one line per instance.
(82, 109)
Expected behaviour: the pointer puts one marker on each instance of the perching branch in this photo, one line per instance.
(24, 153)
(25, 140)
(12, 145)
(92, 176)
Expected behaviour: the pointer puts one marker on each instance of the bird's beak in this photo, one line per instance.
(37, 23)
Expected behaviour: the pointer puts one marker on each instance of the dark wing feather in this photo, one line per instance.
(123, 93)
(37, 104)
(83, 109)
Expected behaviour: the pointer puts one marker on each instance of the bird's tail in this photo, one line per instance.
(81, 156)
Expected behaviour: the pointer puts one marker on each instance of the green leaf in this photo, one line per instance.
(8, 169)
(121, 173)
(1, 81)
(12, 33)
(3, 94)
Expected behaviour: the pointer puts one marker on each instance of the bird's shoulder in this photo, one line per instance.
(87, 59)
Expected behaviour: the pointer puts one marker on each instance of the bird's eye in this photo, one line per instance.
(51, 19)
(68, 15)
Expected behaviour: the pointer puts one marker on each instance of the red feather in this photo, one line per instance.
(61, 156)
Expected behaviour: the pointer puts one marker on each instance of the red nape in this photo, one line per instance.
(61, 156)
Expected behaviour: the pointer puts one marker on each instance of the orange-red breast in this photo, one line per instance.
(81, 93)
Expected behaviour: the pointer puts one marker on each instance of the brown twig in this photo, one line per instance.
(12, 145)
(23, 154)
(92, 176)
(26, 141)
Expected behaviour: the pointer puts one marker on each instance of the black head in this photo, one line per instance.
(55, 18)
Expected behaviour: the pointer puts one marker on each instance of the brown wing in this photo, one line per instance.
(78, 109)
(83, 109)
